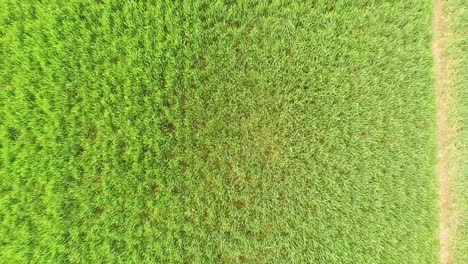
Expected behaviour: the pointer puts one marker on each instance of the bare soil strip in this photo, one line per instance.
(445, 130)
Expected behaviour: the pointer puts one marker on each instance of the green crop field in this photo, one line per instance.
(458, 54)
(198, 131)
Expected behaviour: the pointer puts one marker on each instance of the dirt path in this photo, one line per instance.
(445, 131)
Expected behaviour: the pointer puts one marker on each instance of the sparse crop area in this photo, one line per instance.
(457, 53)
(217, 132)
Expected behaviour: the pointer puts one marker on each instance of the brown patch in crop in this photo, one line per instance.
(445, 131)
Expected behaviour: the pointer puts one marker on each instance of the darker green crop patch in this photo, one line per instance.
(217, 131)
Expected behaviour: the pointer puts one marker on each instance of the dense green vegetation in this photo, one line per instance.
(217, 131)
(458, 53)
